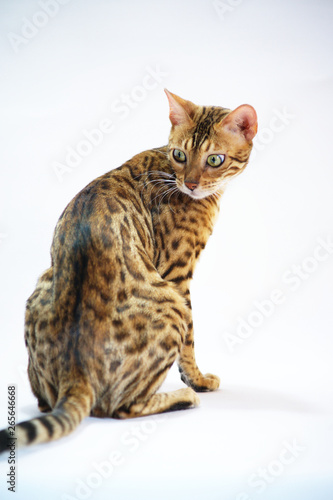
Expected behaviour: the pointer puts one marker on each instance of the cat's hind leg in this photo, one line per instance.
(147, 401)
(161, 402)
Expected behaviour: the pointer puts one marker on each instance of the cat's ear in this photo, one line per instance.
(243, 120)
(181, 111)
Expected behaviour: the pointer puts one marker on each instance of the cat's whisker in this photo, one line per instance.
(160, 202)
(173, 191)
(167, 180)
(166, 174)
(165, 193)
(164, 178)
(148, 174)
(169, 191)
(162, 182)
(159, 183)
(158, 194)
(139, 175)
(155, 182)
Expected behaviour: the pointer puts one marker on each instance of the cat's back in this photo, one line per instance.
(110, 218)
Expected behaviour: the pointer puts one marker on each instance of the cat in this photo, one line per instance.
(112, 314)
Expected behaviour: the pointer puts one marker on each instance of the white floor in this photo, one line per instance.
(262, 294)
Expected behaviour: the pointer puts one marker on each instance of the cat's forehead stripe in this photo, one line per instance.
(188, 143)
(208, 118)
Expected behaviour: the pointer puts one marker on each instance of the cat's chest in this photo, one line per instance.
(181, 233)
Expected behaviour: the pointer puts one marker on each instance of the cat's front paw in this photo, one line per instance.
(208, 382)
(202, 383)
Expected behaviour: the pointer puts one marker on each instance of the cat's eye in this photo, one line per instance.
(215, 160)
(179, 155)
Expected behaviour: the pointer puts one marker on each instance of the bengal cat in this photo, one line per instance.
(113, 312)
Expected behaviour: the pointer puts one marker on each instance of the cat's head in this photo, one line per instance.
(208, 145)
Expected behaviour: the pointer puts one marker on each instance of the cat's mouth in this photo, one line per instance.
(196, 193)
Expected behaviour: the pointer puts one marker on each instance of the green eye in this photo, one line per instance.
(179, 155)
(215, 160)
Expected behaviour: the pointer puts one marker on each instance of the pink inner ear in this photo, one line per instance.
(243, 120)
(178, 114)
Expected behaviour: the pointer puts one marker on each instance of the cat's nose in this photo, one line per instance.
(191, 185)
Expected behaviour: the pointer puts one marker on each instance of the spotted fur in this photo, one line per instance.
(113, 312)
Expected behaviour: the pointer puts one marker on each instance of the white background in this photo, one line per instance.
(276, 388)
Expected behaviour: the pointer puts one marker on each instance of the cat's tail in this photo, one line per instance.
(72, 407)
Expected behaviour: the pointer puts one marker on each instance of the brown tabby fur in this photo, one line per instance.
(113, 312)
